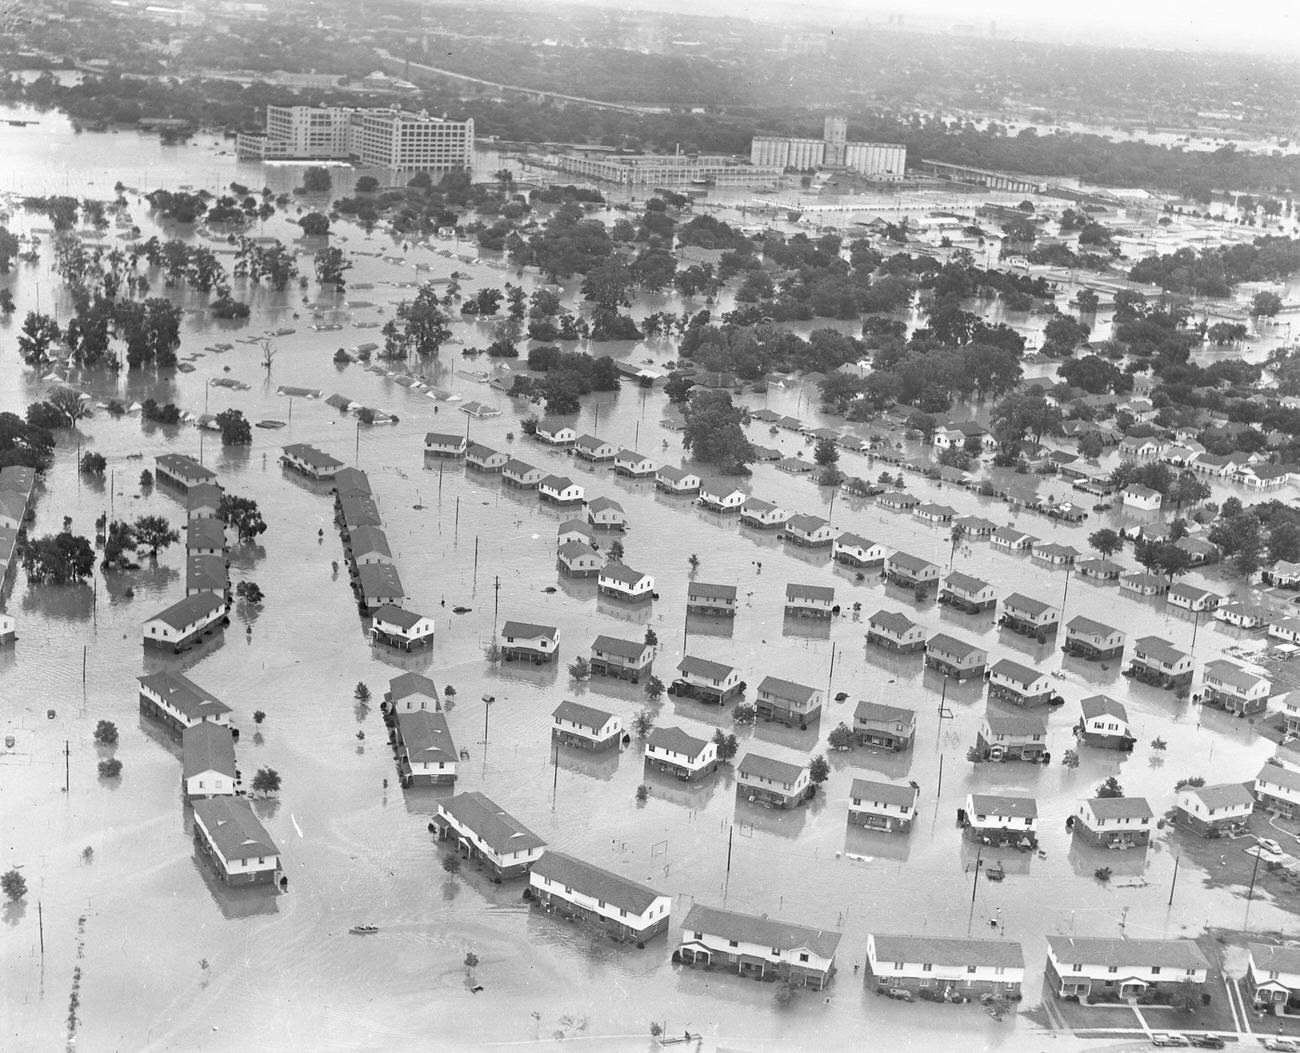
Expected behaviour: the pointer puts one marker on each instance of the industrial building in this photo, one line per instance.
(669, 170)
(832, 150)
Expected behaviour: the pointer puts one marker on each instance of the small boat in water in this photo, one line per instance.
(363, 930)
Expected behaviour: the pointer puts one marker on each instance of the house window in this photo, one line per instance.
(803, 957)
(1155, 970)
(927, 968)
(732, 943)
(1112, 968)
(1076, 968)
(970, 968)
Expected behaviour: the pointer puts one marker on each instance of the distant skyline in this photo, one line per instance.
(1252, 26)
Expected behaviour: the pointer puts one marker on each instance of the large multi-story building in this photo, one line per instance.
(381, 138)
(832, 150)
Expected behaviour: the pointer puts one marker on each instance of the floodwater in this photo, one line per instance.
(166, 959)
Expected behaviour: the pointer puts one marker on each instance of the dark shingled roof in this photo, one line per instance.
(766, 932)
(595, 881)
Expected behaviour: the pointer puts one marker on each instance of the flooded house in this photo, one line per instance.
(1272, 976)
(1234, 688)
(909, 571)
(309, 461)
(1091, 640)
(898, 500)
(1103, 724)
(1282, 575)
(378, 584)
(181, 472)
(718, 601)
(1192, 597)
(672, 480)
(975, 526)
(426, 755)
(955, 658)
(575, 530)
(1158, 662)
(368, 545)
(1141, 498)
(176, 627)
(1114, 822)
(1122, 968)
(1286, 629)
(1011, 539)
(521, 474)
(788, 703)
(854, 550)
(605, 513)
(622, 659)
(555, 432)
(560, 490)
(232, 837)
(13, 510)
(674, 752)
(523, 641)
(1012, 737)
(585, 727)
(762, 514)
(350, 481)
(1277, 789)
(1241, 615)
(409, 692)
(207, 574)
(883, 726)
(356, 510)
(577, 559)
(1291, 713)
(1054, 555)
(1144, 583)
(397, 627)
(634, 465)
(945, 966)
(486, 833)
(208, 761)
(895, 631)
(620, 582)
(886, 806)
(708, 681)
(1001, 819)
(752, 946)
(931, 512)
(967, 593)
(484, 459)
(1221, 809)
(809, 601)
(571, 887)
(593, 448)
(808, 531)
(203, 501)
(444, 444)
(1019, 685)
(773, 782)
(1029, 617)
(1099, 569)
(205, 537)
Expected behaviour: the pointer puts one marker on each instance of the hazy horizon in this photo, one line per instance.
(1254, 26)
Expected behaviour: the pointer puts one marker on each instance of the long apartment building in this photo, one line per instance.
(832, 150)
(376, 137)
(668, 169)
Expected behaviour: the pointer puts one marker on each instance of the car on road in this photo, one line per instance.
(1283, 1045)
(1269, 845)
(1208, 1042)
(1168, 1038)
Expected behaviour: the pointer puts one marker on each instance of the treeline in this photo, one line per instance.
(1215, 271)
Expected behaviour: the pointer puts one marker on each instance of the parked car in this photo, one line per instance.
(1283, 1045)
(1168, 1038)
(1208, 1042)
(901, 993)
(1269, 845)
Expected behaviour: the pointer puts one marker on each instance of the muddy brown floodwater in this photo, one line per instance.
(170, 960)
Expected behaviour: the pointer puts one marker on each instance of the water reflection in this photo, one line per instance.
(801, 741)
(248, 902)
(73, 603)
(1086, 860)
(601, 765)
(703, 625)
(783, 822)
(865, 846)
(806, 628)
(694, 796)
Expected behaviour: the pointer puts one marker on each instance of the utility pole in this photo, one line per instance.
(476, 557)
(487, 706)
(831, 674)
(496, 604)
(441, 462)
(456, 523)
(1177, 860)
(67, 754)
(555, 778)
(356, 455)
(1196, 624)
(40, 922)
(939, 789)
